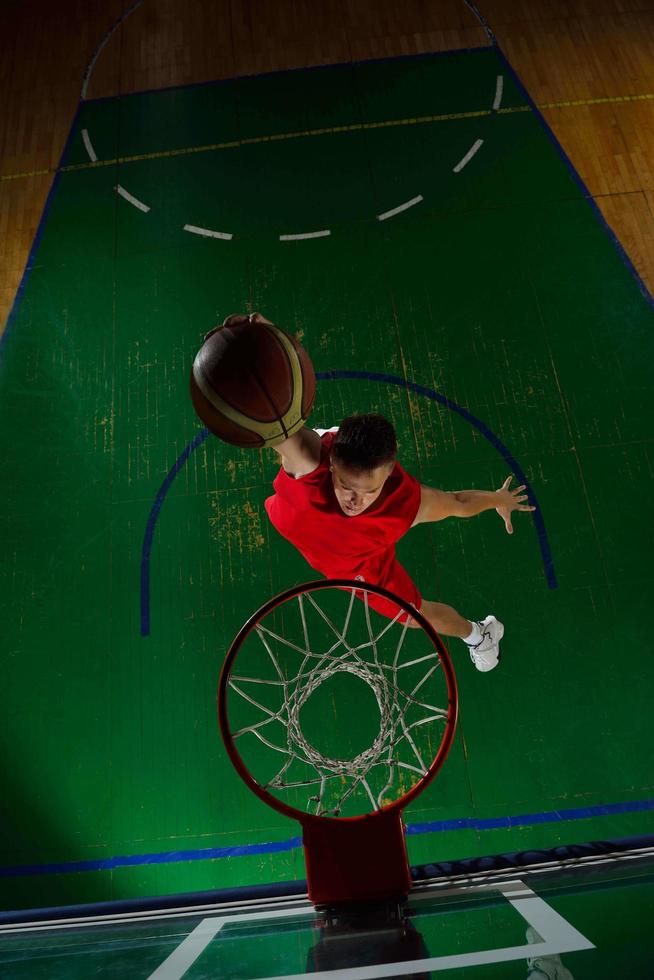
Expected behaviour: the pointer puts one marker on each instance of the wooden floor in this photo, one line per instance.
(588, 65)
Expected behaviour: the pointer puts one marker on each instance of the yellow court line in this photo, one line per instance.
(27, 173)
(648, 97)
(328, 131)
(277, 137)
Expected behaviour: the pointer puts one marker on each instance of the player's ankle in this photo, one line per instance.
(475, 636)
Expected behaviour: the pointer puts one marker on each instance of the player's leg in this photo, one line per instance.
(445, 619)
(482, 638)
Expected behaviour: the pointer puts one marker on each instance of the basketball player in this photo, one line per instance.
(344, 501)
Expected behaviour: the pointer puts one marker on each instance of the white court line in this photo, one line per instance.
(468, 157)
(207, 233)
(556, 932)
(484, 23)
(499, 90)
(89, 146)
(86, 78)
(558, 936)
(402, 207)
(132, 200)
(179, 961)
(308, 234)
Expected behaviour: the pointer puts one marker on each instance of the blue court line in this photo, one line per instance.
(162, 857)
(490, 436)
(529, 819)
(152, 521)
(481, 427)
(293, 843)
(516, 860)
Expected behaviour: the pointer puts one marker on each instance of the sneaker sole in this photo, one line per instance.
(487, 670)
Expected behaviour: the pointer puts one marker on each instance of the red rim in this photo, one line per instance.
(246, 629)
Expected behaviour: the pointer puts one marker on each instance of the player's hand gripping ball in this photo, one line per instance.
(251, 384)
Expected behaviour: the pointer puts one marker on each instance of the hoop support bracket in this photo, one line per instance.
(361, 859)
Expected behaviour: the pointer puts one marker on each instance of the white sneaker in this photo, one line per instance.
(486, 653)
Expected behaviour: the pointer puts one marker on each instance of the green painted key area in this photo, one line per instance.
(495, 315)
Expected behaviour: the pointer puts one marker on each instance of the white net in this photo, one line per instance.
(297, 706)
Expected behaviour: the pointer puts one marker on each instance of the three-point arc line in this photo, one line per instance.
(499, 90)
(481, 427)
(150, 526)
(132, 200)
(468, 157)
(228, 236)
(307, 234)
(208, 233)
(401, 207)
(86, 139)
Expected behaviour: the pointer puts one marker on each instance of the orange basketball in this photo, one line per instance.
(252, 384)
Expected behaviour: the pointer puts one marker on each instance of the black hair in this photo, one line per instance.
(364, 442)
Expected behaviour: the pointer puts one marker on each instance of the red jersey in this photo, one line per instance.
(305, 511)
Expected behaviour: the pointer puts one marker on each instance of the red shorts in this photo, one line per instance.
(396, 580)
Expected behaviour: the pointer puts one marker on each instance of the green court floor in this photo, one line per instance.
(493, 319)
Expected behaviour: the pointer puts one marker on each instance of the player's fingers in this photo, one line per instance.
(526, 507)
(235, 318)
(259, 318)
(509, 525)
(506, 483)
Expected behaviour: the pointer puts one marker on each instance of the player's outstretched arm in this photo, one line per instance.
(301, 453)
(436, 505)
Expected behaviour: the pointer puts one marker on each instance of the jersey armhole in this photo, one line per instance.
(291, 468)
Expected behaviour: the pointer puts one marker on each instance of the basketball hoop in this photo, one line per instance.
(348, 802)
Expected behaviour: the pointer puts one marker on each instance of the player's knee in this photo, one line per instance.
(426, 610)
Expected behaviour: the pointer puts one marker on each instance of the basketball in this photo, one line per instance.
(252, 384)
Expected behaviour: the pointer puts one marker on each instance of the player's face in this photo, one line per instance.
(356, 490)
